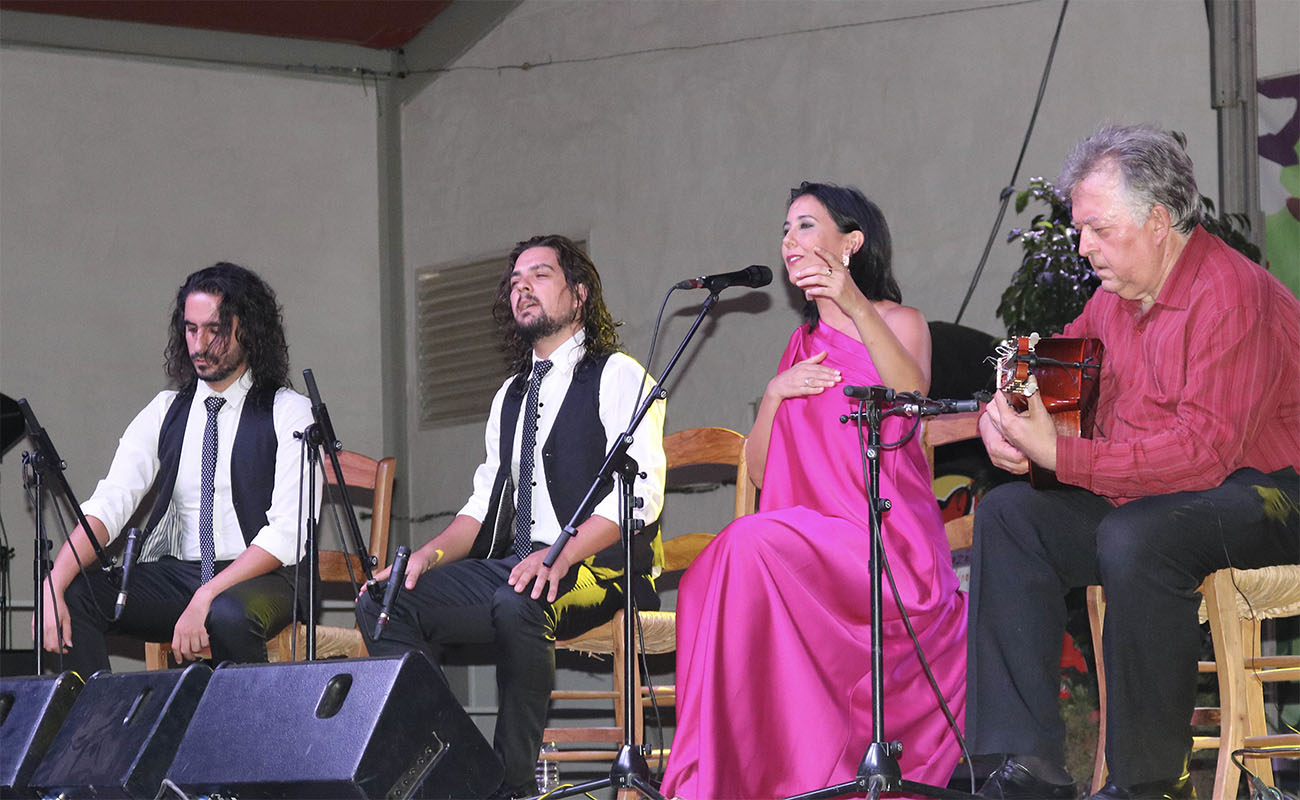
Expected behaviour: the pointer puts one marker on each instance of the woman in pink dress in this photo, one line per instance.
(774, 618)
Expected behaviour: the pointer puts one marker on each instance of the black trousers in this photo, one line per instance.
(1032, 546)
(240, 621)
(469, 602)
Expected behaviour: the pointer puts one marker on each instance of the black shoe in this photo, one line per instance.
(1180, 789)
(1013, 782)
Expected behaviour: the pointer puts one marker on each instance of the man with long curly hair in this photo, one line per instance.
(482, 580)
(220, 455)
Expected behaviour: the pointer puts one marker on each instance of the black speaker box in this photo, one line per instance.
(31, 712)
(369, 728)
(119, 738)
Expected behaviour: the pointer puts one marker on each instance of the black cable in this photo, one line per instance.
(640, 631)
(1258, 789)
(297, 565)
(649, 359)
(1005, 195)
(6, 608)
(654, 701)
(898, 601)
(335, 503)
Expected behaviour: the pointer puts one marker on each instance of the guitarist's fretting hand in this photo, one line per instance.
(1013, 440)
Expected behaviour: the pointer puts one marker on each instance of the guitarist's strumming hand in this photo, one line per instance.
(1013, 440)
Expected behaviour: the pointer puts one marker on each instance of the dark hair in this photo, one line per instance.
(1153, 163)
(871, 266)
(261, 325)
(600, 327)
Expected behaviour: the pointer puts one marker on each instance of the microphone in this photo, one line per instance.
(321, 414)
(880, 394)
(910, 403)
(128, 563)
(396, 577)
(753, 276)
(922, 407)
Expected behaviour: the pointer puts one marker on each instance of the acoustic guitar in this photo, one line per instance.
(1065, 373)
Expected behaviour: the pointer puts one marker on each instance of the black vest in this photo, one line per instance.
(252, 460)
(573, 454)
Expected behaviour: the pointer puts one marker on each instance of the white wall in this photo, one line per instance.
(121, 177)
(118, 177)
(1277, 29)
(676, 162)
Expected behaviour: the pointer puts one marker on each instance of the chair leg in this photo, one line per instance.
(638, 710)
(1257, 724)
(1096, 618)
(638, 713)
(616, 628)
(280, 648)
(155, 655)
(1229, 654)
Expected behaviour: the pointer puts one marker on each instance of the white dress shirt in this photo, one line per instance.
(135, 467)
(618, 400)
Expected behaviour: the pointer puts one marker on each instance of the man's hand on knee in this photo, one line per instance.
(190, 636)
(531, 571)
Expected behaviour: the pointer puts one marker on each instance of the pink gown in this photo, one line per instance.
(774, 620)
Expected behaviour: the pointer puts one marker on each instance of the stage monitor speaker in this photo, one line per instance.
(119, 738)
(31, 711)
(367, 727)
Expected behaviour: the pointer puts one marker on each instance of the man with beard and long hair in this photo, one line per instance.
(220, 454)
(482, 580)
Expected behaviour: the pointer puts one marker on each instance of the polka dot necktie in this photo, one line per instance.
(207, 544)
(524, 497)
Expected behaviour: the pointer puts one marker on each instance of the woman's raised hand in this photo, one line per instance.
(826, 276)
(805, 377)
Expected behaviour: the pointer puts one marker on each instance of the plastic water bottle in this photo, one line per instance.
(548, 772)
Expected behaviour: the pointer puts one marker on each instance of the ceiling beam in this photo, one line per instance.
(142, 41)
(451, 34)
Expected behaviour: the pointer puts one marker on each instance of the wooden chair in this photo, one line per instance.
(369, 482)
(686, 448)
(947, 429)
(1235, 601)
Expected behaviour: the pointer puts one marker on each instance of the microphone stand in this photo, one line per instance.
(630, 769)
(320, 436)
(879, 771)
(45, 462)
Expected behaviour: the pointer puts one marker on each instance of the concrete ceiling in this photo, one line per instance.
(376, 24)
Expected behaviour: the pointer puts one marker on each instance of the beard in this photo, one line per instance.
(544, 325)
(216, 368)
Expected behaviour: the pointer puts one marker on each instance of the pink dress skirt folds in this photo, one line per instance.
(774, 618)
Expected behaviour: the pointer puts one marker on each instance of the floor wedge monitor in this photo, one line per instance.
(367, 728)
(120, 735)
(31, 712)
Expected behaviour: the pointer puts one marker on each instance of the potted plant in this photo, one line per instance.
(1053, 281)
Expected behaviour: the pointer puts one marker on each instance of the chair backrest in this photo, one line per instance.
(695, 446)
(947, 429)
(362, 474)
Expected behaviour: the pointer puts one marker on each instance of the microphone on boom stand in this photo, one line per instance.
(753, 276)
(911, 404)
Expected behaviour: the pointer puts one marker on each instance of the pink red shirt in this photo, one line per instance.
(1206, 382)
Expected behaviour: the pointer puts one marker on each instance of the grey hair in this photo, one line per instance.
(1153, 164)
